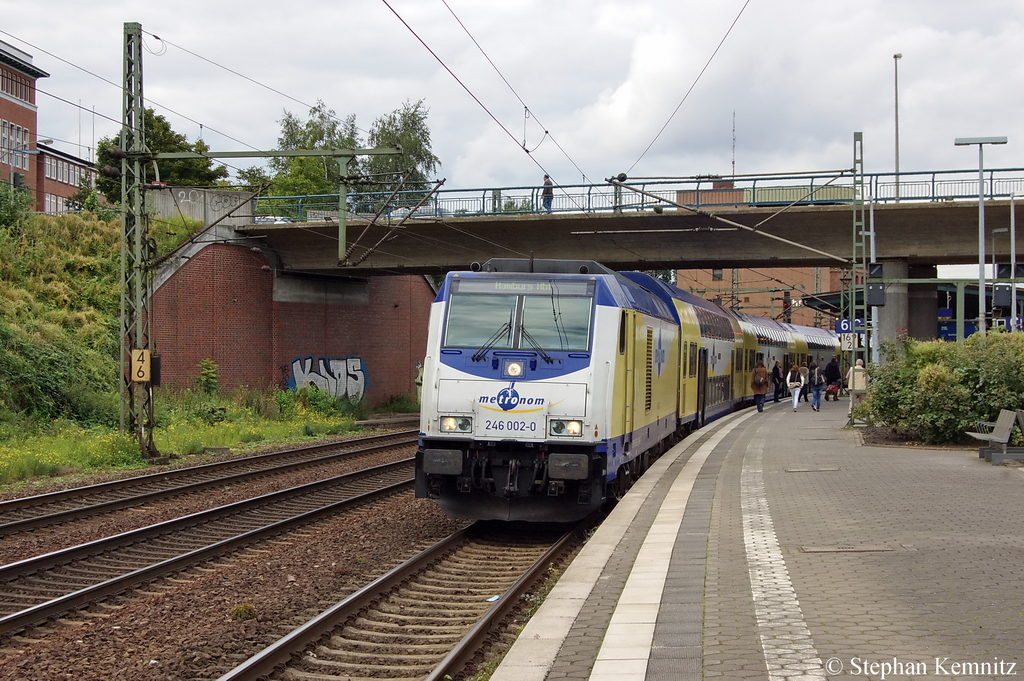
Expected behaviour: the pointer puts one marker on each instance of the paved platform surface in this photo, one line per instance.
(775, 546)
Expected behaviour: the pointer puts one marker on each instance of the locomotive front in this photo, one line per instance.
(508, 427)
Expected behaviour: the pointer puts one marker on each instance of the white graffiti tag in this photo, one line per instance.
(336, 376)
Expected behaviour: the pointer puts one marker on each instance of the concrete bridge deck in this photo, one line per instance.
(929, 233)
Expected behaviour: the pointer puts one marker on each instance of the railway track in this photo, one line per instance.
(47, 586)
(28, 513)
(427, 618)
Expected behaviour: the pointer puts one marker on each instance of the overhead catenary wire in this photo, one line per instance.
(119, 86)
(474, 97)
(527, 111)
(692, 86)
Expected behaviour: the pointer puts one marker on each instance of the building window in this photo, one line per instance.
(716, 274)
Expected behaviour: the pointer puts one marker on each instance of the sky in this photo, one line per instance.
(647, 87)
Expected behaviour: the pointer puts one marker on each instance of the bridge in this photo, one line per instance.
(921, 218)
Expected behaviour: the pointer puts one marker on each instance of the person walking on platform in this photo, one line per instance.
(857, 382)
(759, 384)
(796, 384)
(777, 379)
(817, 379)
(804, 375)
(833, 375)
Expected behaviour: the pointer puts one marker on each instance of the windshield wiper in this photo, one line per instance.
(535, 345)
(482, 352)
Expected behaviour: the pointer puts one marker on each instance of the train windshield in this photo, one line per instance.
(520, 314)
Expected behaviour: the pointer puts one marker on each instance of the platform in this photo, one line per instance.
(775, 546)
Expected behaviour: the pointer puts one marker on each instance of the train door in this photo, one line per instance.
(702, 385)
(627, 343)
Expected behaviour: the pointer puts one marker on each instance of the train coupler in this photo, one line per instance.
(556, 488)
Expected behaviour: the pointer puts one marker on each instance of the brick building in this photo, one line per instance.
(58, 177)
(18, 114)
(763, 292)
(360, 338)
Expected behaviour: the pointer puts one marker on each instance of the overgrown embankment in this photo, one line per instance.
(59, 355)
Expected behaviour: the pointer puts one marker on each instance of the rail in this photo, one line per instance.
(818, 188)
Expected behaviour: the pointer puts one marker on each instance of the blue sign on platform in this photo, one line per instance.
(844, 326)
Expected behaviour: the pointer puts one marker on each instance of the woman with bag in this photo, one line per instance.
(795, 381)
(759, 384)
(817, 385)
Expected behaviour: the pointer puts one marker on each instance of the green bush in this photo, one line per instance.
(936, 390)
(207, 381)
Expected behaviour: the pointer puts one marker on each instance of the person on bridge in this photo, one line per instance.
(548, 194)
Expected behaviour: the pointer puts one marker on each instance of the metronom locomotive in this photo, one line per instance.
(550, 385)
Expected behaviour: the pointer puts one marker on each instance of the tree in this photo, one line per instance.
(405, 128)
(160, 137)
(312, 174)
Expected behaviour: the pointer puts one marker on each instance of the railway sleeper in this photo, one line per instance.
(372, 637)
(418, 629)
(443, 646)
(439, 585)
(414, 655)
(422, 610)
(348, 669)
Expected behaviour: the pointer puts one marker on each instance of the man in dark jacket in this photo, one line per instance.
(777, 380)
(832, 372)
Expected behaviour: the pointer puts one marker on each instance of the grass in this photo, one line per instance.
(187, 422)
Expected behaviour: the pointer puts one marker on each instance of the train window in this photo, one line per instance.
(693, 360)
(473, 320)
(557, 322)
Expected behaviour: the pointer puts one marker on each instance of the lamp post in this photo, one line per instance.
(896, 65)
(981, 142)
(20, 150)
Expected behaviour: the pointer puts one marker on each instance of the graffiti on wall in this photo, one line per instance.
(336, 376)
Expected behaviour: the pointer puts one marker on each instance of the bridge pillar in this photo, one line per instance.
(923, 300)
(893, 317)
(910, 309)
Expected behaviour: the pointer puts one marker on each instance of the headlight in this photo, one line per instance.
(566, 428)
(514, 368)
(456, 424)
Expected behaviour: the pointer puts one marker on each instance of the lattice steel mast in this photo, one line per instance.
(137, 250)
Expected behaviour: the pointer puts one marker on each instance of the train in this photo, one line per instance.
(549, 386)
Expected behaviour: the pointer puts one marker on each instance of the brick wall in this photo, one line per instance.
(217, 306)
(220, 306)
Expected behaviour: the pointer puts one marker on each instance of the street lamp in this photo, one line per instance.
(20, 150)
(981, 142)
(896, 65)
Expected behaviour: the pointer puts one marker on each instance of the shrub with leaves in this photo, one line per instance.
(936, 390)
(207, 381)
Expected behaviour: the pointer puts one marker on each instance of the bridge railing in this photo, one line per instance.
(830, 187)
